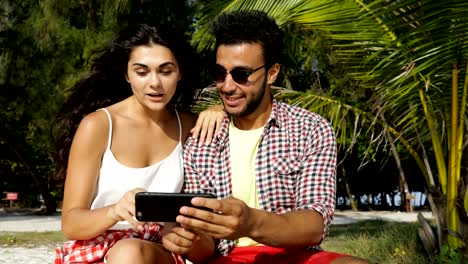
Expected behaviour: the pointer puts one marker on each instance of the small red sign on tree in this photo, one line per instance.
(12, 196)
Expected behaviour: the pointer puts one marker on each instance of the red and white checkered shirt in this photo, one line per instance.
(295, 165)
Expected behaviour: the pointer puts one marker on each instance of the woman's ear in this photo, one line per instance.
(273, 72)
(126, 78)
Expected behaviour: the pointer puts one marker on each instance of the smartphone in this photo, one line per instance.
(163, 207)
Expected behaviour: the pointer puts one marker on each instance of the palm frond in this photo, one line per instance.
(350, 122)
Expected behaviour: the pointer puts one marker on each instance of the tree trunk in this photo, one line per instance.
(50, 205)
(438, 206)
(348, 190)
(462, 212)
(426, 234)
(404, 189)
(369, 202)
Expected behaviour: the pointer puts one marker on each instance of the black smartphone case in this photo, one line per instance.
(163, 207)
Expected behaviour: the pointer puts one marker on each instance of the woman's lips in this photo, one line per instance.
(155, 97)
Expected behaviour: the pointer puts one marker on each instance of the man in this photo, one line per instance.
(272, 165)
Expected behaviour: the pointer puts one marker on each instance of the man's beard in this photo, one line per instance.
(253, 104)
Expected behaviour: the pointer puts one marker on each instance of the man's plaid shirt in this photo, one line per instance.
(295, 165)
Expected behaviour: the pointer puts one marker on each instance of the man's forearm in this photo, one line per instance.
(299, 228)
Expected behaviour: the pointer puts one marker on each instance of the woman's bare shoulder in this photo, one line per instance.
(94, 127)
(95, 120)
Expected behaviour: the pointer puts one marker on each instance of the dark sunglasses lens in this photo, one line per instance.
(240, 76)
(218, 74)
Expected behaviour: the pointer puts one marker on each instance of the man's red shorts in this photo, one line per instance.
(271, 255)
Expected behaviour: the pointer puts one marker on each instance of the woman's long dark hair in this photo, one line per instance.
(105, 84)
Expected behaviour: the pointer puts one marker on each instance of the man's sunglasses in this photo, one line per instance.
(239, 74)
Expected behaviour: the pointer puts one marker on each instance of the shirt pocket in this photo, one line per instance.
(287, 165)
(286, 171)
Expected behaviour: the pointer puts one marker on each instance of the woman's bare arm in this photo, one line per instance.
(88, 147)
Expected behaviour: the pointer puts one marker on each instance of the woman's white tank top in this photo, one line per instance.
(115, 179)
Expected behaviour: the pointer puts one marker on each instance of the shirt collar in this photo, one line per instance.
(277, 117)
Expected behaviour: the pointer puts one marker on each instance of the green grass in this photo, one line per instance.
(378, 241)
(31, 239)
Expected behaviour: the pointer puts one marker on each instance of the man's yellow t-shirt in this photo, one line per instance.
(243, 150)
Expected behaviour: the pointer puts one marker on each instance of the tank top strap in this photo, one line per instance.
(180, 125)
(110, 126)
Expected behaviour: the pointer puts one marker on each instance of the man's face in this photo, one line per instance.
(244, 88)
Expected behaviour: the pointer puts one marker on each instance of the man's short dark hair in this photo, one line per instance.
(251, 26)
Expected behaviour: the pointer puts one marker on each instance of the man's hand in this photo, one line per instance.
(231, 218)
(195, 247)
(178, 239)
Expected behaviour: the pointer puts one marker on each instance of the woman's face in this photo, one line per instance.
(153, 74)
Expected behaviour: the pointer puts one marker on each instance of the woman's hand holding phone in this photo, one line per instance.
(124, 209)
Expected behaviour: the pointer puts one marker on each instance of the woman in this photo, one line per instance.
(124, 134)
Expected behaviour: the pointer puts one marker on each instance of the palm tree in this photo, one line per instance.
(413, 55)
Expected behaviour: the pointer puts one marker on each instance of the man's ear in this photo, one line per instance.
(273, 72)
